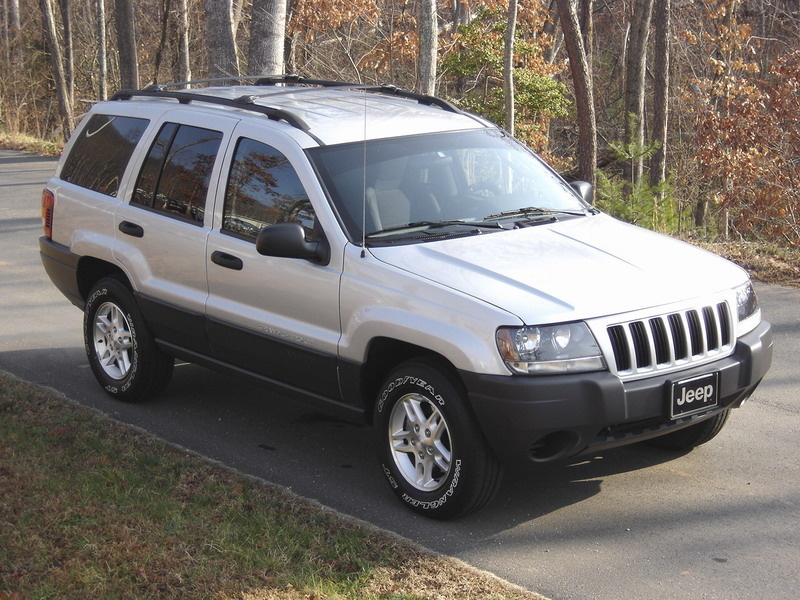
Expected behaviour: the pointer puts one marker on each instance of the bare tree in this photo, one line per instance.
(11, 26)
(428, 45)
(56, 60)
(551, 30)
(102, 60)
(661, 61)
(508, 65)
(460, 14)
(587, 27)
(584, 98)
(69, 55)
(222, 60)
(184, 69)
(126, 44)
(162, 44)
(13, 9)
(635, 70)
(267, 35)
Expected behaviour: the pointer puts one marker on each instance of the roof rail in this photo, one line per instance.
(248, 101)
(291, 79)
(243, 102)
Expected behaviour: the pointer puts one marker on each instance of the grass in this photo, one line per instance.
(90, 508)
(764, 261)
(26, 143)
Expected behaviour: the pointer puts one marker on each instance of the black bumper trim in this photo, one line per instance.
(554, 417)
(61, 266)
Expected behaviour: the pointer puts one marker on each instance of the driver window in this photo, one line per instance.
(263, 189)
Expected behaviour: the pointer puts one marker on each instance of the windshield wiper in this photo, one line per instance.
(427, 225)
(533, 211)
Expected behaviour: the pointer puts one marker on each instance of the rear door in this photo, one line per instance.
(162, 231)
(277, 317)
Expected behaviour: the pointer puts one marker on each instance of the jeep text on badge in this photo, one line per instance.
(389, 257)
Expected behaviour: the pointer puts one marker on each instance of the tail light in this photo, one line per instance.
(48, 202)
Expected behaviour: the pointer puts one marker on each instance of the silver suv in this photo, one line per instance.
(390, 257)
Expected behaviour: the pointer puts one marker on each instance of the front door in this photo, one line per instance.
(277, 317)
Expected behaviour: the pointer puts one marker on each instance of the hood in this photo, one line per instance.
(579, 268)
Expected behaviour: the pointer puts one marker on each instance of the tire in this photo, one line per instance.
(122, 353)
(431, 450)
(692, 436)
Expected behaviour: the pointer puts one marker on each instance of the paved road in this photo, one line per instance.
(721, 522)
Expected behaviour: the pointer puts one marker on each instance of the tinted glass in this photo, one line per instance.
(145, 189)
(263, 189)
(99, 156)
(180, 174)
(464, 176)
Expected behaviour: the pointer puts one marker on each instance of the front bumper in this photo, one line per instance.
(548, 418)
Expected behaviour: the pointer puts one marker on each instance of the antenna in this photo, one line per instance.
(364, 187)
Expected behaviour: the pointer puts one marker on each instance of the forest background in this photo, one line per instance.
(685, 114)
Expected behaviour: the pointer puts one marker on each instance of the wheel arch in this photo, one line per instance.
(383, 355)
(91, 270)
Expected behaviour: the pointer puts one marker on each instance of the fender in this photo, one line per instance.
(381, 301)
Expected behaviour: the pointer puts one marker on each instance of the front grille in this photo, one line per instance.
(670, 340)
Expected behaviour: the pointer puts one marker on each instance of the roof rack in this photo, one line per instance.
(244, 102)
(248, 101)
(291, 79)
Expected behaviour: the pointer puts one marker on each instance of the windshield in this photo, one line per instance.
(478, 180)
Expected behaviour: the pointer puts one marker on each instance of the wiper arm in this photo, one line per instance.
(533, 211)
(435, 225)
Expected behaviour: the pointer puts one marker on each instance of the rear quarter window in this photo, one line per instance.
(99, 156)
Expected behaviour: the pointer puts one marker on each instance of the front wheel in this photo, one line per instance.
(123, 355)
(431, 450)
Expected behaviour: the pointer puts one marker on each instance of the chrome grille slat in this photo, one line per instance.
(662, 342)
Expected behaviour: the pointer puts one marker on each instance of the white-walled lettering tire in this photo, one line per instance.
(694, 435)
(121, 351)
(431, 450)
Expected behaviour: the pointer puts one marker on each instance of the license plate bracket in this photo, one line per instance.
(693, 395)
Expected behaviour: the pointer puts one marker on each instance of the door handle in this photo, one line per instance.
(223, 259)
(132, 229)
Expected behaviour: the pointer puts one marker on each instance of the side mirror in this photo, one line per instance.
(288, 240)
(584, 190)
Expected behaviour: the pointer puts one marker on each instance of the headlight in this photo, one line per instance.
(748, 313)
(550, 349)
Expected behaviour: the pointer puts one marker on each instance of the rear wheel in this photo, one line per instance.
(121, 350)
(693, 436)
(431, 450)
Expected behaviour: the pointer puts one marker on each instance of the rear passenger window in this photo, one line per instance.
(175, 175)
(99, 156)
(263, 189)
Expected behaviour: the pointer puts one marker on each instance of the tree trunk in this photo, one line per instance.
(162, 44)
(185, 71)
(16, 24)
(69, 59)
(587, 28)
(267, 36)
(102, 60)
(551, 29)
(126, 44)
(508, 65)
(635, 70)
(222, 61)
(584, 99)
(661, 63)
(428, 45)
(56, 60)
(460, 14)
